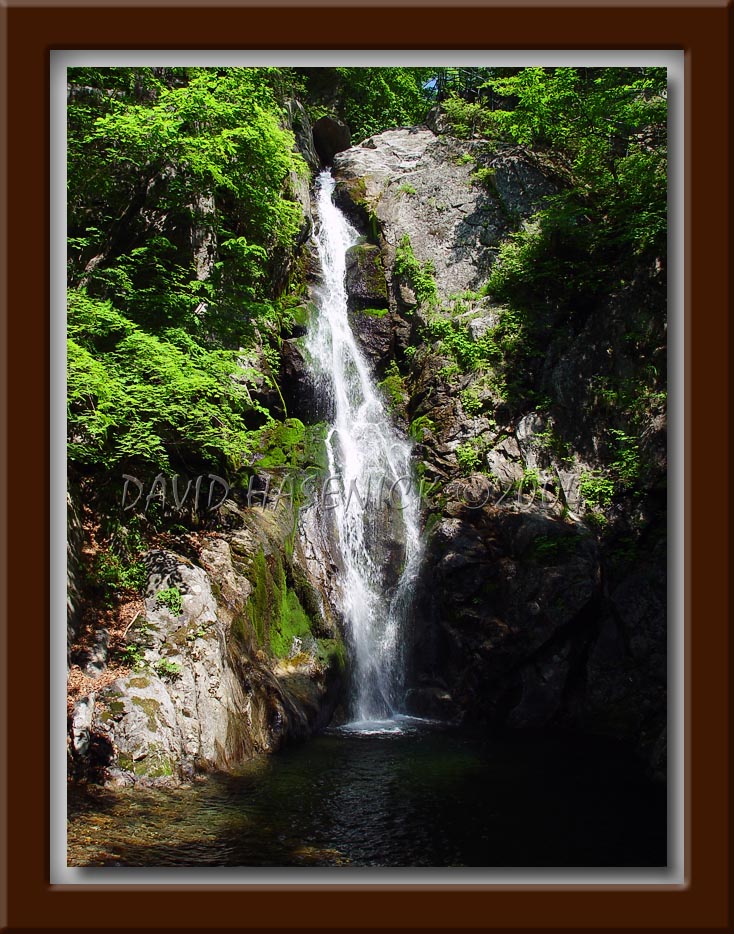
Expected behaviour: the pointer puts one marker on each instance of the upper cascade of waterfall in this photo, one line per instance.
(374, 512)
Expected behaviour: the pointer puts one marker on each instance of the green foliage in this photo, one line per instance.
(134, 396)
(419, 426)
(170, 597)
(626, 464)
(179, 202)
(530, 482)
(501, 353)
(467, 119)
(393, 387)
(113, 573)
(368, 99)
(407, 189)
(167, 669)
(282, 444)
(596, 489)
(470, 401)
(470, 456)
(208, 131)
(604, 130)
(420, 276)
(134, 655)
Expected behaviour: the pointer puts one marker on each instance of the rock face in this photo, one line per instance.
(527, 614)
(365, 277)
(410, 181)
(236, 654)
(330, 136)
(299, 122)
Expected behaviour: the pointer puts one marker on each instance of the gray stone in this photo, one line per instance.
(97, 658)
(81, 725)
(451, 222)
(299, 122)
(206, 696)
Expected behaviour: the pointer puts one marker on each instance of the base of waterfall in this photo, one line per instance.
(390, 793)
(397, 723)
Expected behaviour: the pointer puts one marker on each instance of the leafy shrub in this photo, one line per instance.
(167, 669)
(134, 655)
(596, 489)
(626, 464)
(466, 119)
(171, 597)
(471, 402)
(419, 426)
(393, 387)
(469, 457)
(420, 276)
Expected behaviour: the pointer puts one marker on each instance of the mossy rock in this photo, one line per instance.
(365, 277)
(151, 707)
(274, 610)
(375, 312)
(154, 764)
(332, 653)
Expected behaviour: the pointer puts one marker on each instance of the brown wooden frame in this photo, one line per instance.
(704, 31)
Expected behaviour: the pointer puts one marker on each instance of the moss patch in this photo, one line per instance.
(274, 609)
(332, 653)
(151, 707)
(375, 312)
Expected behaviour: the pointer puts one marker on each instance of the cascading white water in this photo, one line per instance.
(374, 495)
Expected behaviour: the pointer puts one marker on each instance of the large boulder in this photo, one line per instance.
(365, 277)
(411, 181)
(330, 136)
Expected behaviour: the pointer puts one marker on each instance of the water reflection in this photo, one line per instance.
(419, 797)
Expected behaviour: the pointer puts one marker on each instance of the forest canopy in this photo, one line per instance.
(183, 223)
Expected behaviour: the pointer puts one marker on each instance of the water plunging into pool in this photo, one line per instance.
(377, 496)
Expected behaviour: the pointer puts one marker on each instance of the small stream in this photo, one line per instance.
(418, 795)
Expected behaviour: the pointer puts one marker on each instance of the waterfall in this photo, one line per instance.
(370, 502)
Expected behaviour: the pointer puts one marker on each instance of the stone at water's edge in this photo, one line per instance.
(205, 694)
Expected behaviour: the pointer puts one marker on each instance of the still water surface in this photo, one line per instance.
(406, 795)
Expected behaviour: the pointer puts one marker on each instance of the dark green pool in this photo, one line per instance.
(427, 796)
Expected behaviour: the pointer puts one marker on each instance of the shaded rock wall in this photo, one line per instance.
(527, 613)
